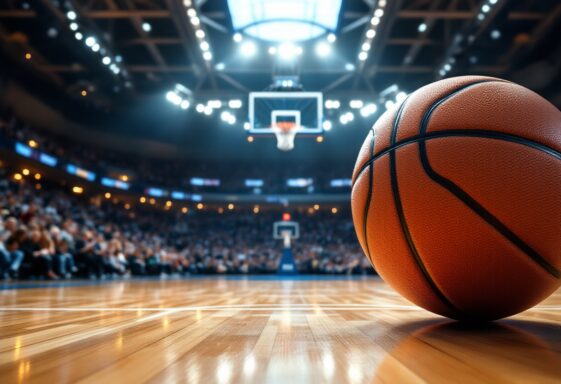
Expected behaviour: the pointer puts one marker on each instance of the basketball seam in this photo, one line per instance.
(405, 229)
(369, 196)
(471, 203)
(479, 133)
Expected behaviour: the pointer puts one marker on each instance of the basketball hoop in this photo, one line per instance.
(285, 131)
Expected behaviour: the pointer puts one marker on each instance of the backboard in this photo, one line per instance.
(303, 109)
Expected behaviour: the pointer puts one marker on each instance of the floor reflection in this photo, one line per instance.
(506, 351)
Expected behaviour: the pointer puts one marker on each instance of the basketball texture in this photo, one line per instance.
(456, 198)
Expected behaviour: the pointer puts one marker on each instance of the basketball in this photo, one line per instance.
(456, 198)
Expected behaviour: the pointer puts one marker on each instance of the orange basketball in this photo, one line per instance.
(456, 198)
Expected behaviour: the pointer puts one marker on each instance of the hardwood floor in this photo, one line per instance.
(262, 331)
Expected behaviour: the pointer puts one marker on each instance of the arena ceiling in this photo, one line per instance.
(152, 45)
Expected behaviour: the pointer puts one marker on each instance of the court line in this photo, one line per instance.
(242, 307)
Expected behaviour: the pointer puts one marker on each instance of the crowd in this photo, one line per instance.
(176, 173)
(46, 232)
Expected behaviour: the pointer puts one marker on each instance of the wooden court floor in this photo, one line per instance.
(261, 331)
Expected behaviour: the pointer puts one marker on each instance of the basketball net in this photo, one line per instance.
(286, 237)
(285, 131)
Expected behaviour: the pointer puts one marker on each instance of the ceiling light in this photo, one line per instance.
(146, 27)
(370, 33)
(73, 26)
(215, 104)
(200, 108)
(366, 47)
(90, 41)
(327, 125)
(323, 49)
(191, 12)
(207, 56)
(106, 60)
(422, 27)
(368, 109)
(235, 104)
(208, 110)
(185, 104)
(95, 47)
(220, 66)
(495, 34)
(71, 15)
(375, 20)
(248, 48)
(485, 8)
(331, 38)
(287, 51)
(205, 46)
(272, 50)
(362, 56)
(350, 67)
(78, 36)
(200, 33)
(237, 37)
(356, 104)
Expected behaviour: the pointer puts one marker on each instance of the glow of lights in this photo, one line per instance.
(200, 34)
(332, 104)
(78, 36)
(106, 60)
(215, 104)
(205, 46)
(331, 38)
(485, 8)
(350, 67)
(18, 176)
(249, 363)
(90, 41)
(422, 27)
(95, 47)
(74, 26)
(323, 49)
(287, 51)
(235, 104)
(334, 210)
(195, 21)
(191, 12)
(208, 110)
(200, 108)
(32, 143)
(71, 15)
(25, 172)
(237, 37)
(185, 104)
(250, 139)
(319, 139)
(220, 66)
(248, 49)
(368, 110)
(77, 190)
(366, 46)
(107, 195)
(370, 33)
(231, 207)
(200, 206)
(327, 125)
(207, 56)
(356, 104)
(362, 56)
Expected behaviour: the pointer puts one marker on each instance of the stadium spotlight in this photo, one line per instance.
(422, 27)
(185, 104)
(366, 46)
(74, 26)
(191, 12)
(323, 49)
(71, 15)
(215, 104)
(356, 104)
(90, 41)
(248, 49)
(362, 56)
(235, 103)
(370, 33)
(485, 8)
(146, 27)
(195, 21)
(287, 51)
(106, 60)
(237, 37)
(207, 56)
(327, 125)
(331, 38)
(368, 110)
(95, 47)
(400, 96)
(200, 34)
(350, 67)
(200, 108)
(78, 36)
(205, 46)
